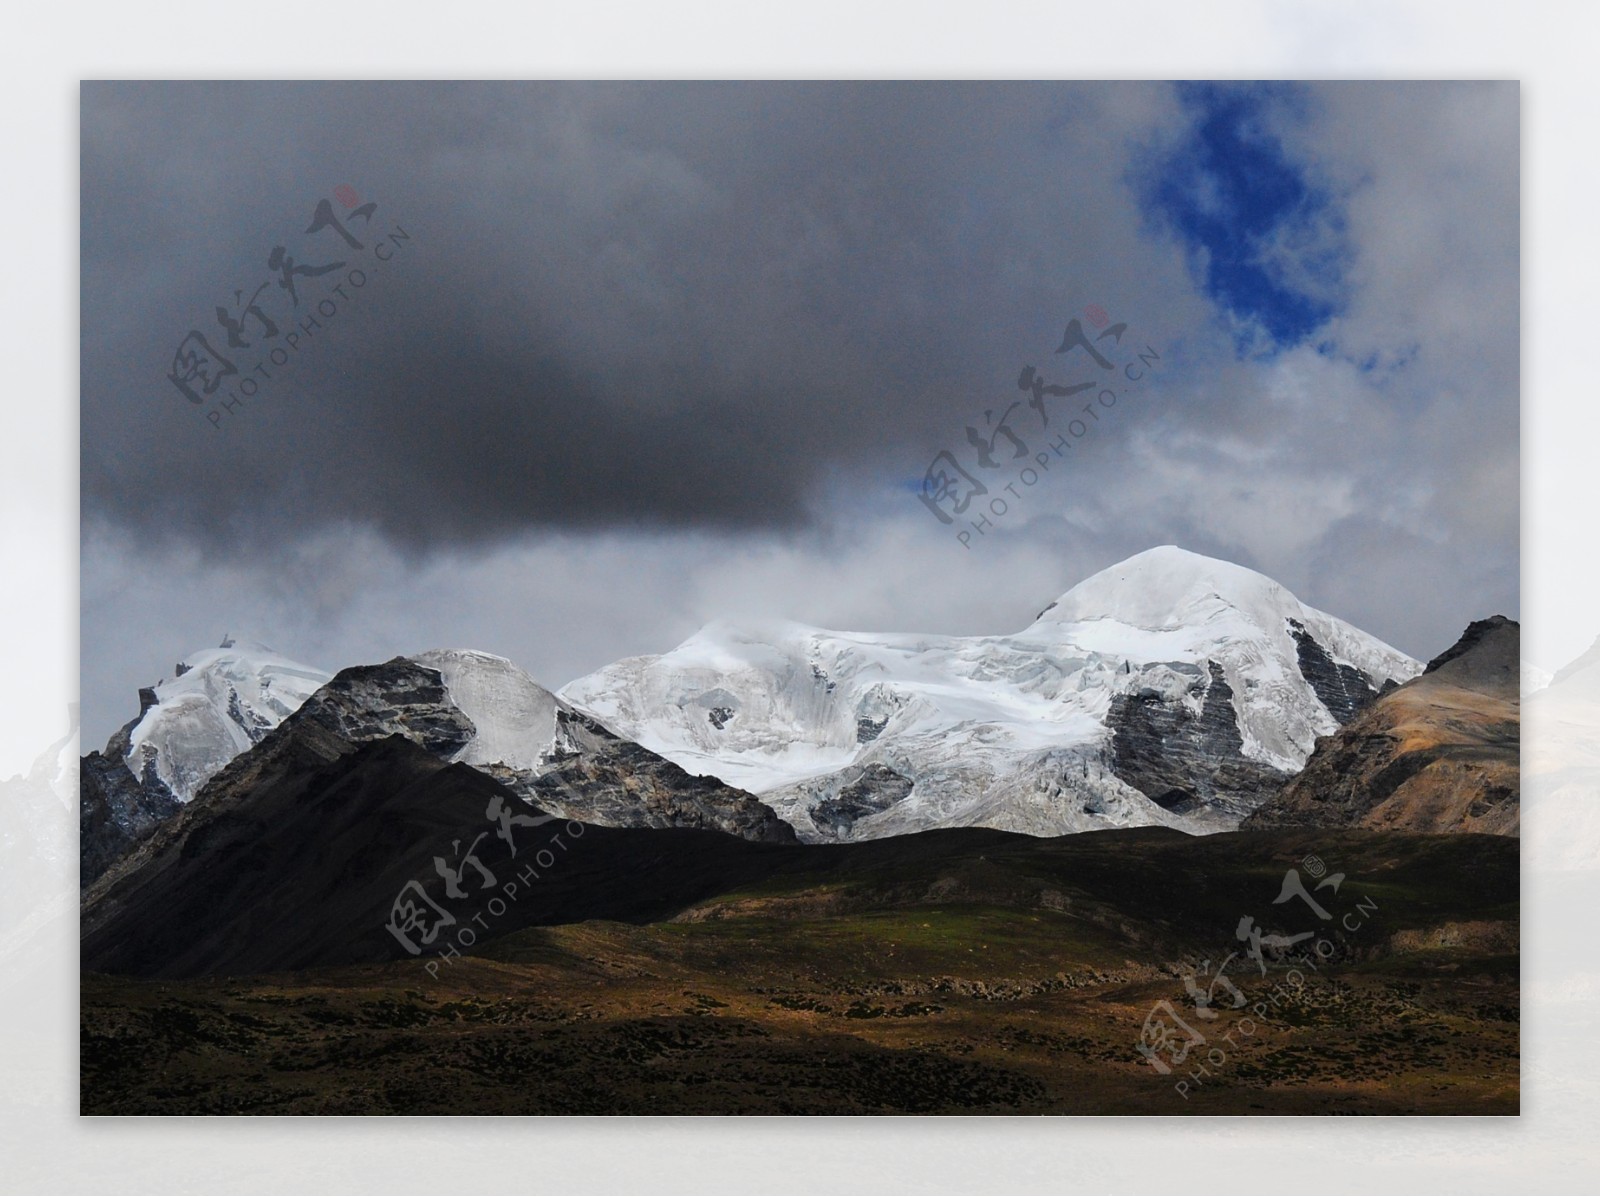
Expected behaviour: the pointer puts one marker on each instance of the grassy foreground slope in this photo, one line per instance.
(959, 972)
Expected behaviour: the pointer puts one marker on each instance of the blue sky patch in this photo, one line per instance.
(1265, 243)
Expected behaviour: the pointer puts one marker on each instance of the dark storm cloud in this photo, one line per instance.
(621, 305)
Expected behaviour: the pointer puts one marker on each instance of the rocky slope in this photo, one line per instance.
(565, 761)
(115, 810)
(1438, 754)
(313, 850)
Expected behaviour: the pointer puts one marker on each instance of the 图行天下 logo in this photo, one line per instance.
(261, 333)
(1171, 1043)
(1001, 458)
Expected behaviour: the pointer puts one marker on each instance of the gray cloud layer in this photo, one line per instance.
(662, 304)
(662, 353)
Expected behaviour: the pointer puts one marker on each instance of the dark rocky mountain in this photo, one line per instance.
(1343, 689)
(116, 809)
(590, 774)
(1437, 754)
(384, 847)
(301, 856)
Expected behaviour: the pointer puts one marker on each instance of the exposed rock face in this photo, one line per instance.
(116, 809)
(1438, 754)
(586, 772)
(1343, 689)
(1186, 759)
(876, 789)
(399, 697)
(565, 761)
(600, 778)
(868, 730)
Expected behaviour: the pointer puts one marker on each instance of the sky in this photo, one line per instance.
(571, 369)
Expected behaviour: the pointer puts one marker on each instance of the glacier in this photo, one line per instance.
(852, 735)
(220, 702)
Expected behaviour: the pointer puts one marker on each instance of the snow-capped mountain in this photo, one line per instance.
(1169, 689)
(218, 703)
(514, 718)
(226, 726)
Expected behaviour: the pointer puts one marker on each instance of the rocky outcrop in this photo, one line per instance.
(1188, 760)
(588, 773)
(876, 788)
(1486, 658)
(1343, 689)
(116, 809)
(399, 697)
(598, 777)
(1438, 754)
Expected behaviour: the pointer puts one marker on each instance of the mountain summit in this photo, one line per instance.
(1170, 689)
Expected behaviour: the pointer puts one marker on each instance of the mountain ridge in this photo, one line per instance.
(1048, 730)
(1170, 689)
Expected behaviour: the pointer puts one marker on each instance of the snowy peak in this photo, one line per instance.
(1071, 723)
(1169, 587)
(1170, 605)
(218, 703)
